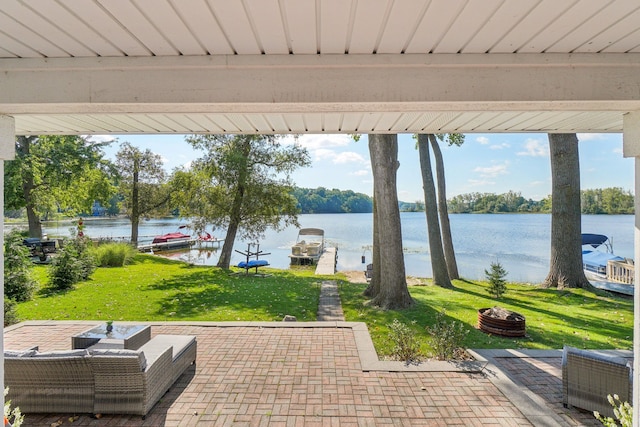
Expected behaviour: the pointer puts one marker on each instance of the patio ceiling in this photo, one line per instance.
(310, 66)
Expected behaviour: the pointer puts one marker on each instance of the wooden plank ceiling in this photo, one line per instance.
(97, 29)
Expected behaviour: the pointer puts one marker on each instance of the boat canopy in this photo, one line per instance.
(311, 232)
(594, 240)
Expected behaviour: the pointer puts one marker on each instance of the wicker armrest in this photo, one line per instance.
(588, 377)
(126, 383)
(157, 378)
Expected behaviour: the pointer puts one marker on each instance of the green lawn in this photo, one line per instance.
(553, 318)
(157, 289)
(154, 288)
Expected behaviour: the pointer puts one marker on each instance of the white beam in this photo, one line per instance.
(7, 150)
(7, 138)
(304, 83)
(631, 148)
(636, 304)
(631, 135)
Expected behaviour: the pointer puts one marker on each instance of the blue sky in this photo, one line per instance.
(486, 163)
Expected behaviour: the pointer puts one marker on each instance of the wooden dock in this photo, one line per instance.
(327, 262)
(180, 245)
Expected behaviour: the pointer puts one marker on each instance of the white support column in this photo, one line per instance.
(7, 152)
(631, 145)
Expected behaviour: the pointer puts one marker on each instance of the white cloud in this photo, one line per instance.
(499, 146)
(323, 147)
(618, 150)
(314, 142)
(591, 136)
(536, 183)
(100, 138)
(482, 140)
(361, 172)
(348, 157)
(534, 148)
(323, 154)
(493, 171)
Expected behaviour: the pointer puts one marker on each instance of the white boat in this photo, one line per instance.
(308, 247)
(167, 242)
(603, 268)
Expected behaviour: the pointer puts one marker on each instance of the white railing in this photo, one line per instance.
(620, 272)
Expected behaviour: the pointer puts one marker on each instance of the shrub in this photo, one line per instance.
(495, 276)
(14, 416)
(114, 254)
(73, 264)
(82, 246)
(405, 342)
(446, 337)
(10, 316)
(65, 269)
(18, 283)
(622, 410)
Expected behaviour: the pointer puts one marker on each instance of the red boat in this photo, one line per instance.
(172, 241)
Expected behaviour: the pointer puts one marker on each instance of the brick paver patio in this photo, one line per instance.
(543, 376)
(290, 375)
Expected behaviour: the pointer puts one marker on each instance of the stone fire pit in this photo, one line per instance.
(500, 321)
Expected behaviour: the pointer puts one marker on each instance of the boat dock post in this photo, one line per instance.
(327, 262)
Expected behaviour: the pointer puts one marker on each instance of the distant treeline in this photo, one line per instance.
(323, 200)
(599, 201)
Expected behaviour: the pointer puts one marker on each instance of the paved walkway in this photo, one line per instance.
(330, 307)
(325, 374)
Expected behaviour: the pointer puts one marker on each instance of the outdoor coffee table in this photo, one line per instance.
(130, 337)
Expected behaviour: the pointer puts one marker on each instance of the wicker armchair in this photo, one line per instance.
(98, 380)
(588, 377)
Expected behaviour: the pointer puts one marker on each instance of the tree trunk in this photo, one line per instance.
(28, 186)
(227, 248)
(393, 293)
(374, 285)
(438, 263)
(234, 223)
(443, 211)
(35, 226)
(566, 228)
(135, 208)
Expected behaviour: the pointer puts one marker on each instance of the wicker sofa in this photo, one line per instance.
(98, 380)
(589, 376)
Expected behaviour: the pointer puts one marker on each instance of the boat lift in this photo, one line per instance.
(253, 263)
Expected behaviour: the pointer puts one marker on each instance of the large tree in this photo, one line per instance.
(374, 284)
(56, 173)
(566, 242)
(242, 183)
(443, 211)
(388, 268)
(142, 184)
(438, 262)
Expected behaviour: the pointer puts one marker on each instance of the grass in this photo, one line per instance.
(153, 288)
(553, 318)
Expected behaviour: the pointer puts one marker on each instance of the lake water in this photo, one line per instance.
(520, 242)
